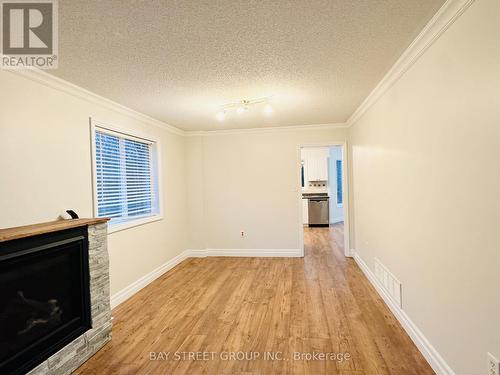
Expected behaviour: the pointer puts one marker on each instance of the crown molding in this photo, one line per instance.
(49, 80)
(265, 130)
(442, 20)
(56, 83)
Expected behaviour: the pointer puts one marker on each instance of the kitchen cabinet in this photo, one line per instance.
(317, 168)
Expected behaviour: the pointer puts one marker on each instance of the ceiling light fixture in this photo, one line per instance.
(221, 115)
(268, 109)
(243, 106)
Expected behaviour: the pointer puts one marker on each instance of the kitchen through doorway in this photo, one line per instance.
(323, 193)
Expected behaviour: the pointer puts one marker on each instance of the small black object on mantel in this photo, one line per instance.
(73, 214)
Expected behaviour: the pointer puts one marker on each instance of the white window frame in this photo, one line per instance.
(157, 171)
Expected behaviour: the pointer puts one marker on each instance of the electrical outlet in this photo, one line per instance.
(493, 365)
(242, 233)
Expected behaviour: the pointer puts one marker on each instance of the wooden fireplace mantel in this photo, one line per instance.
(9, 234)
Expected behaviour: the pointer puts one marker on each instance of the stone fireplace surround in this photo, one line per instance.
(73, 355)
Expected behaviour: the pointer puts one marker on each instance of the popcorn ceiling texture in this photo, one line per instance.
(69, 358)
(179, 61)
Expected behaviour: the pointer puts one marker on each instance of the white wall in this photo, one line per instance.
(45, 161)
(336, 211)
(248, 181)
(428, 154)
(213, 185)
(196, 193)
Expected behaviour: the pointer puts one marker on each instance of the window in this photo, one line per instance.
(340, 198)
(126, 178)
(302, 177)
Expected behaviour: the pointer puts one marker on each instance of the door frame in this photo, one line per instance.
(345, 191)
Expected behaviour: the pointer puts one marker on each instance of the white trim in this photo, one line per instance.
(127, 132)
(197, 253)
(278, 253)
(442, 20)
(59, 84)
(49, 80)
(113, 130)
(147, 279)
(346, 167)
(157, 175)
(345, 186)
(266, 130)
(118, 227)
(430, 353)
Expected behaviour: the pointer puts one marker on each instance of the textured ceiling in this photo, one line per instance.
(179, 61)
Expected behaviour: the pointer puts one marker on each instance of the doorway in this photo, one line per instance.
(323, 193)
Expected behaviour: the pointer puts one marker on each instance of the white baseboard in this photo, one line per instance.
(283, 253)
(197, 253)
(430, 353)
(137, 285)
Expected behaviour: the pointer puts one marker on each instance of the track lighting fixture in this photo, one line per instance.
(244, 106)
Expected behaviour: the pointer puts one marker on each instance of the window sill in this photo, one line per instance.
(118, 227)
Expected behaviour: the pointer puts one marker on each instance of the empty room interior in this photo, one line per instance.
(250, 187)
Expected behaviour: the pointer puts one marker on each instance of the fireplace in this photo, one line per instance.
(44, 290)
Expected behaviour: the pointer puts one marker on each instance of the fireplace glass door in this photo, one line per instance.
(44, 294)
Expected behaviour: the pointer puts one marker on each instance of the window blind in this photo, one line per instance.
(125, 181)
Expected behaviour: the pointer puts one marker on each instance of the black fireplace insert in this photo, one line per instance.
(44, 297)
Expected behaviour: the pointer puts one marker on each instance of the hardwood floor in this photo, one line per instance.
(321, 303)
